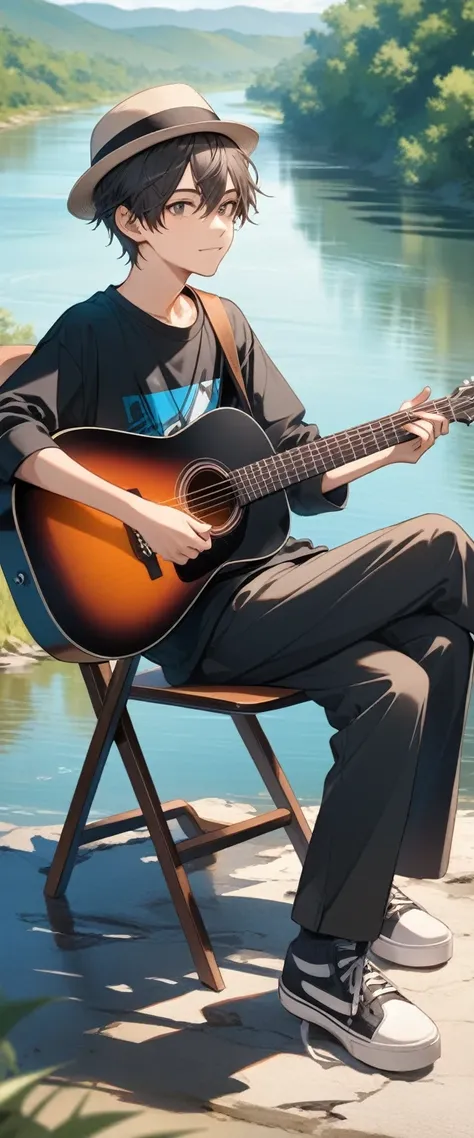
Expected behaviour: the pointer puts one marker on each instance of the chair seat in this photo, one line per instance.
(150, 686)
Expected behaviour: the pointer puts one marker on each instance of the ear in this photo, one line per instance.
(129, 225)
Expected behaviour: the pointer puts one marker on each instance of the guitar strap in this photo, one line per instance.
(219, 320)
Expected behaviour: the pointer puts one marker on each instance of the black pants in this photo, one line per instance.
(377, 633)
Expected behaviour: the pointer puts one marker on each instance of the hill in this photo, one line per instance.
(217, 52)
(61, 30)
(250, 21)
(153, 54)
(33, 76)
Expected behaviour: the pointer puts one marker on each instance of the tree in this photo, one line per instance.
(391, 79)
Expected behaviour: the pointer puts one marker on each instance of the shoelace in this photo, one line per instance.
(375, 983)
(354, 964)
(398, 903)
(361, 976)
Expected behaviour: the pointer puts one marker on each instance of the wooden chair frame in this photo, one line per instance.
(110, 687)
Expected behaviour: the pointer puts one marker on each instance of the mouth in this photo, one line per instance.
(211, 249)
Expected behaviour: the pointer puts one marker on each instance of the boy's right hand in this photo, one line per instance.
(173, 535)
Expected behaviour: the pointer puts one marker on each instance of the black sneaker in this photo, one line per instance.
(410, 936)
(332, 984)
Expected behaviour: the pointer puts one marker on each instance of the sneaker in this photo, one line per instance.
(410, 936)
(331, 983)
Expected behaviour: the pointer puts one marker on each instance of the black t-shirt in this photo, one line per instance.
(106, 363)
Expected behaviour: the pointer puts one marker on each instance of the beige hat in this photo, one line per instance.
(141, 121)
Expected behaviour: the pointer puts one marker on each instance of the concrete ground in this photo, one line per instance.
(137, 1030)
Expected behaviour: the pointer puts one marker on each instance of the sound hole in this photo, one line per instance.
(206, 493)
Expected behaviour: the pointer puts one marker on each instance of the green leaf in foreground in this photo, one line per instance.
(13, 1011)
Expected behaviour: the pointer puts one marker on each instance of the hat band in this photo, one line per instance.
(163, 120)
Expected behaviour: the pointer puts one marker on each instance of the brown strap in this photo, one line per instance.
(219, 319)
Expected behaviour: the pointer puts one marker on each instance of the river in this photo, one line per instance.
(362, 295)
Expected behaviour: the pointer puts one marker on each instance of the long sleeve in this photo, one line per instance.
(38, 399)
(281, 414)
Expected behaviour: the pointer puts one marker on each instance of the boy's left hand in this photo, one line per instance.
(427, 429)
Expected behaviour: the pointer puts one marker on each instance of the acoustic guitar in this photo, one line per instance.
(89, 588)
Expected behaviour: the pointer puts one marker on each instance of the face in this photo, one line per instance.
(190, 241)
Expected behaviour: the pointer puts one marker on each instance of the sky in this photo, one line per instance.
(185, 5)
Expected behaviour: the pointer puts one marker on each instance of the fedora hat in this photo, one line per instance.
(143, 120)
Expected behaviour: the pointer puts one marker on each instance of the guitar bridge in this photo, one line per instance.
(142, 550)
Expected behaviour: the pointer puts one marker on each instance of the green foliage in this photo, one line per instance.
(31, 75)
(15, 1089)
(11, 333)
(72, 62)
(11, 624)
(393, 80)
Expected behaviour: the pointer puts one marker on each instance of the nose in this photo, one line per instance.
(219, 223)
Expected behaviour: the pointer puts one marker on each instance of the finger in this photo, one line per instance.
(426, 435)
(420, 398)
(438, 421)
(416, 429)
(197, 542)
(199, 527)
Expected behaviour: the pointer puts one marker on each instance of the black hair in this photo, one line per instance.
(145, 182)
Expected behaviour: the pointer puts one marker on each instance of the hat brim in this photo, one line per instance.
(80, 201)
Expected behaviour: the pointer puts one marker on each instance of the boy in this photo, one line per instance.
(377, 631)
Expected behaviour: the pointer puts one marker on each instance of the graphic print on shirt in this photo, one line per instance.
(163, 412)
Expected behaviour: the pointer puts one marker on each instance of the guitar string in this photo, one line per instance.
(214, 497)
(225, 494)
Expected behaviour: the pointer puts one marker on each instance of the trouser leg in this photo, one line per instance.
(330, 612)
(445, 652)
(389, 801)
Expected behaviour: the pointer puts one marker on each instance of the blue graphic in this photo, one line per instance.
(163, 412)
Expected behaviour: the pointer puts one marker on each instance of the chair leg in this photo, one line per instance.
(99, 680)
(275, 779)
(113, 704)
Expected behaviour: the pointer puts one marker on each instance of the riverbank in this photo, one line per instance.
(26, 118)
(453, 195)
(133, 1023)
(33, 114)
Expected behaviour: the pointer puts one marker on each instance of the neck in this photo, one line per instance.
(297, 464)
(156, 287)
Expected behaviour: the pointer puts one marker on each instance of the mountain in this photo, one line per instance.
(214, 51)
(249, 21)
(153, 54)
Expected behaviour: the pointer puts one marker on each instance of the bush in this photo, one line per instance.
(11, 333)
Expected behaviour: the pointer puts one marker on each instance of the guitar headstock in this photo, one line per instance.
(462, 402)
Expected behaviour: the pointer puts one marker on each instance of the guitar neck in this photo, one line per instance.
(297, 464)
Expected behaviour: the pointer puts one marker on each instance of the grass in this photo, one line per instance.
(10, 620)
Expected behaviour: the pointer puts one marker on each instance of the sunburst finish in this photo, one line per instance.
(81, 563)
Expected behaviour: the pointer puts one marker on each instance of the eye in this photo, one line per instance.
(227, 209)
(178, 209)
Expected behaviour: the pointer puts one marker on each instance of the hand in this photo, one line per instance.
(427, 429)
(170, 533)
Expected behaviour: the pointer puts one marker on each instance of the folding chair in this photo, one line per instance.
(110, 686)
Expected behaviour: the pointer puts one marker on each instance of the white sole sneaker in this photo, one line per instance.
(399, 1058)
(429, 955)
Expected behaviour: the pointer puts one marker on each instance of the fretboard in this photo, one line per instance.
(299, 463)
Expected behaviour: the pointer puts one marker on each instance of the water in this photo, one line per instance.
(362, 296)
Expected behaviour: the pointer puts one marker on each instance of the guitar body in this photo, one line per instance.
(83, 585)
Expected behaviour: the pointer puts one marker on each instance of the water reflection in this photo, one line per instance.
(362, 294)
